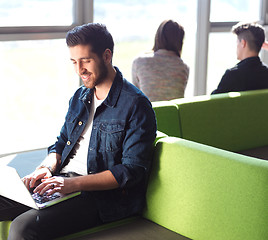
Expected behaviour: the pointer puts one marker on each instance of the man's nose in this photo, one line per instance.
(79, 68)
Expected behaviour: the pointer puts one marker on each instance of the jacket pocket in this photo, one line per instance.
(111, 136)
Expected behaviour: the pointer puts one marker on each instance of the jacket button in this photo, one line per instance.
(68, 143)
(80, 123)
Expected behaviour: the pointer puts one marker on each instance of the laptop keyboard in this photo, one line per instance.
(44, 198)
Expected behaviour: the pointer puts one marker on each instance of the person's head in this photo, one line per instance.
(91, 49)
(251, 35)
(169, 36)
(94, 34)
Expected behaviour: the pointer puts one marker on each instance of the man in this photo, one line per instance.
(103, 150)
(250, 73)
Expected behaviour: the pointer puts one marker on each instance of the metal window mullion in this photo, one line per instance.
(201, 57)
(221, 26)
(32, 36)
(88, 11)
(82, 11)
(264, 12)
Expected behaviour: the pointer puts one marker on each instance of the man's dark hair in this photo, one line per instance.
(253, 33)
(169, 36)
(94, 34)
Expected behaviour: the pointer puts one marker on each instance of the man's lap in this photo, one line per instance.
(9, 209)
(67, 217)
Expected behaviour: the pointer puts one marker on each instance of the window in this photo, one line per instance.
(37, 77)
(37, 81)
(221, 55)
(234, 11)
(36, 13)
(133, 25)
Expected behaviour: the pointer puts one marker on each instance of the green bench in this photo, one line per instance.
(142, 227)
(230, 121)
(204, 192)
(230, 188)
(198, 192)
(199, 188)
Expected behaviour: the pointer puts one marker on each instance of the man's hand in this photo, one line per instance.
(55, 184)
(33, 179)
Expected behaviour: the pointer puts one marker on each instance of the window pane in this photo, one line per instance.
(37, 80)
(36, 12)
(133, 25)
(238, 10)
(221, 56)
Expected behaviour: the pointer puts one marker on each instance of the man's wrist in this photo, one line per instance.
(45, 166)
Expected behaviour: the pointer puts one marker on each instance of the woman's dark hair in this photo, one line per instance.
(169, 36)
(94, 34)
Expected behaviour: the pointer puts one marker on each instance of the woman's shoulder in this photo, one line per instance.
(144, 56)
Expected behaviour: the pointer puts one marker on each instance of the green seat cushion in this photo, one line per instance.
(140, 229)
(4, 229)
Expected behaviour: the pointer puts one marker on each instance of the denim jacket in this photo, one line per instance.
(123, 132)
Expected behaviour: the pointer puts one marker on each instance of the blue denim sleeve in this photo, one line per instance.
(137, 145)
(59, 145)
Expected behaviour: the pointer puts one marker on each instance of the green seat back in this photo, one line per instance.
(233, 121)
(202, 192)
(167, 118)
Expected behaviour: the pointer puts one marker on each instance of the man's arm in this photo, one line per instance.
(93, 182)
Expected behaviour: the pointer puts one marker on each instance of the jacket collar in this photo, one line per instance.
(250, 60)
(113, 94)
(115, 90)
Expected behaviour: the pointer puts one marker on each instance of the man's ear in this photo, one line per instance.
(107, 56)
(243, 43)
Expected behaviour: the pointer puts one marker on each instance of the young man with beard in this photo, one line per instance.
(103, 150)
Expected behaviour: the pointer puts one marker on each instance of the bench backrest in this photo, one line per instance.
(167, 118)
(231, 121)
(205, 193)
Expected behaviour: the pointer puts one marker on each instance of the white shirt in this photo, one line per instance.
(78, 161)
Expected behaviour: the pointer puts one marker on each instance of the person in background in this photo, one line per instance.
(250, 73)
(162, 75)
(103, 149)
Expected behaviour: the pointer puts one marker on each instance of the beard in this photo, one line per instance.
(103, 73)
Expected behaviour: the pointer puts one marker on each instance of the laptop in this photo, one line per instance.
(12, 187)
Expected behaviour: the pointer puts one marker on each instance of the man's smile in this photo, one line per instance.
(85, 77)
